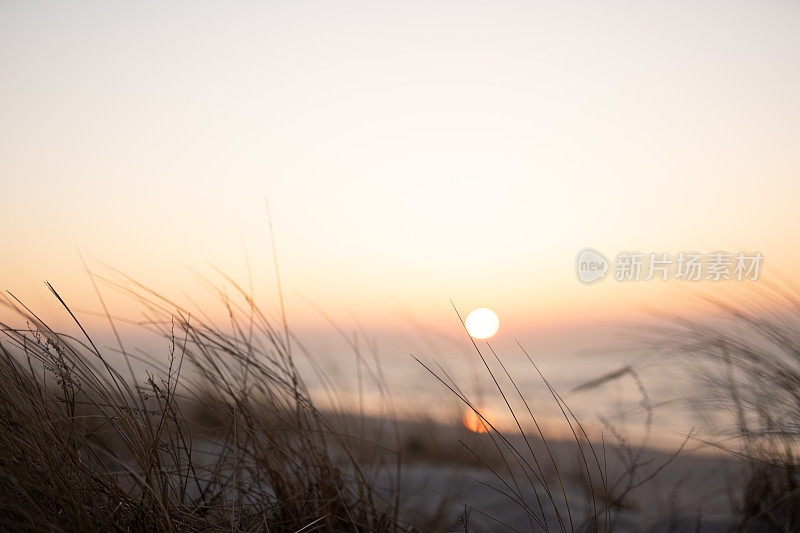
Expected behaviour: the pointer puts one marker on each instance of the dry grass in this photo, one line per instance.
(236, 444)
(221, 433)
(578, 492)
(748, 360)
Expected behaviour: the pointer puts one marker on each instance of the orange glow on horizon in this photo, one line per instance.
(475, 423)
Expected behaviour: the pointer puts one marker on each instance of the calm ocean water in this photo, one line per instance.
(567, 360)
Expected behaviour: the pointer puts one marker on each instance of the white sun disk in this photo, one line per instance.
(482, 323)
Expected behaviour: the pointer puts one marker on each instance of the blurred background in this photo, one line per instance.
(412, 153)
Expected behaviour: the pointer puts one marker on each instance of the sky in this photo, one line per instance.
(412, 152)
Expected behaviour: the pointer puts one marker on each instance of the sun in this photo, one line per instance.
(482, 323)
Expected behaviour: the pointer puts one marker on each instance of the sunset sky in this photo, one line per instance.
(412, 152)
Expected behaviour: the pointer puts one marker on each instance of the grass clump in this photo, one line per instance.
(747, 357)
(221, 434)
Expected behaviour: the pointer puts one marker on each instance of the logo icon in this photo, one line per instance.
(591, 265)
